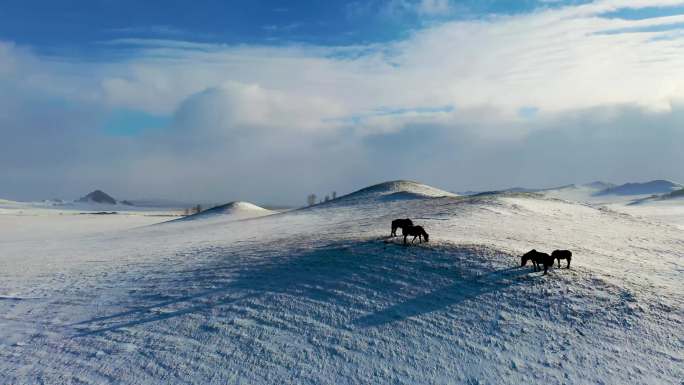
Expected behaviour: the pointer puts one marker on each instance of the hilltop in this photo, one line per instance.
(98, 196)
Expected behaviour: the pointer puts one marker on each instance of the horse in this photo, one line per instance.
(417, 232)
(562, 254)
(400, 223)
(537, 259)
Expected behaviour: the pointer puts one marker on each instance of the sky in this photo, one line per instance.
(268, 101)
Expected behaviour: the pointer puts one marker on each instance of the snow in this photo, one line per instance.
(665, 210)
(389, 191)
(321, 295)
(661, 208)
(232, 210)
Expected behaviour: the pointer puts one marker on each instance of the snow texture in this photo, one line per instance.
(322, 296)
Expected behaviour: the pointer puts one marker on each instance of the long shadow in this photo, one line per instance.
(460, 291)
(160, 317)
(341, 273)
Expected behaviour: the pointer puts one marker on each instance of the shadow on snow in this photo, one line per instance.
(367, 283)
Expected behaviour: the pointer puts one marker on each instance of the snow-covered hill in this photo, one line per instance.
(232, 210)
(652, 187)
(321, 295)
(392, 190)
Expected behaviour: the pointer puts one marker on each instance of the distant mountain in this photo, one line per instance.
(98, 196)
(675, 194)
(652, 187)
(599, 185)
(519, 190)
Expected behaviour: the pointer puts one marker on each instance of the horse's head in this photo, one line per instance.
(526, 257)
(426, 236)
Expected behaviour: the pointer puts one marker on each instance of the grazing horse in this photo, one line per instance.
(537, 259)
(400, 223)
(562, 254)
(416, 231)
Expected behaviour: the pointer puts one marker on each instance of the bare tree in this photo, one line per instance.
(334, 195)
(197, 209)
(311, 199)
(327, 198)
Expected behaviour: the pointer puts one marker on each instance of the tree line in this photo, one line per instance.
(313, 199)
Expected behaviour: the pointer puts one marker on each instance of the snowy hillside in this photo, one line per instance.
(393, 190)
(232, 210)
(321, 295)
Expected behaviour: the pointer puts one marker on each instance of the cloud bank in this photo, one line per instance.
(551, 97)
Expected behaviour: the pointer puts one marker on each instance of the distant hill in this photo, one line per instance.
(675, 194)
(519, 190)
(392, 190)
(232, 210)
(599, 185)
(652, 187)
(98, 196)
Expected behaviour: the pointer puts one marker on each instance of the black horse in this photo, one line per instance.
(537, 259)
(416, 231)
(562, 254)
(400, 223)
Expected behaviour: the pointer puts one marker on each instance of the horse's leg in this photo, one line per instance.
(558, 262)
(568, 263)
(414, 238)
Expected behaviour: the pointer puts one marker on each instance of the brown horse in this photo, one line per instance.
(417, 232)
(400, 223)
(562, 254)
(537, 259)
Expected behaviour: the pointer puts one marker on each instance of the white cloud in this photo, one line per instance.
(289, 111)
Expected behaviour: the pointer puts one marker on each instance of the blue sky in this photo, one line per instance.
(223, 100)
(79, 25)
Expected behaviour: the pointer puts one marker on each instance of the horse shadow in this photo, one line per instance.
(374, 282)
(462, 289)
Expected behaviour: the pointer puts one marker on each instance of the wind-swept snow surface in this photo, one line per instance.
(321, 295)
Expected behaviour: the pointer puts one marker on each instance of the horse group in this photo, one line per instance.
(407, 229)
(538, 258)
(543, 259)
